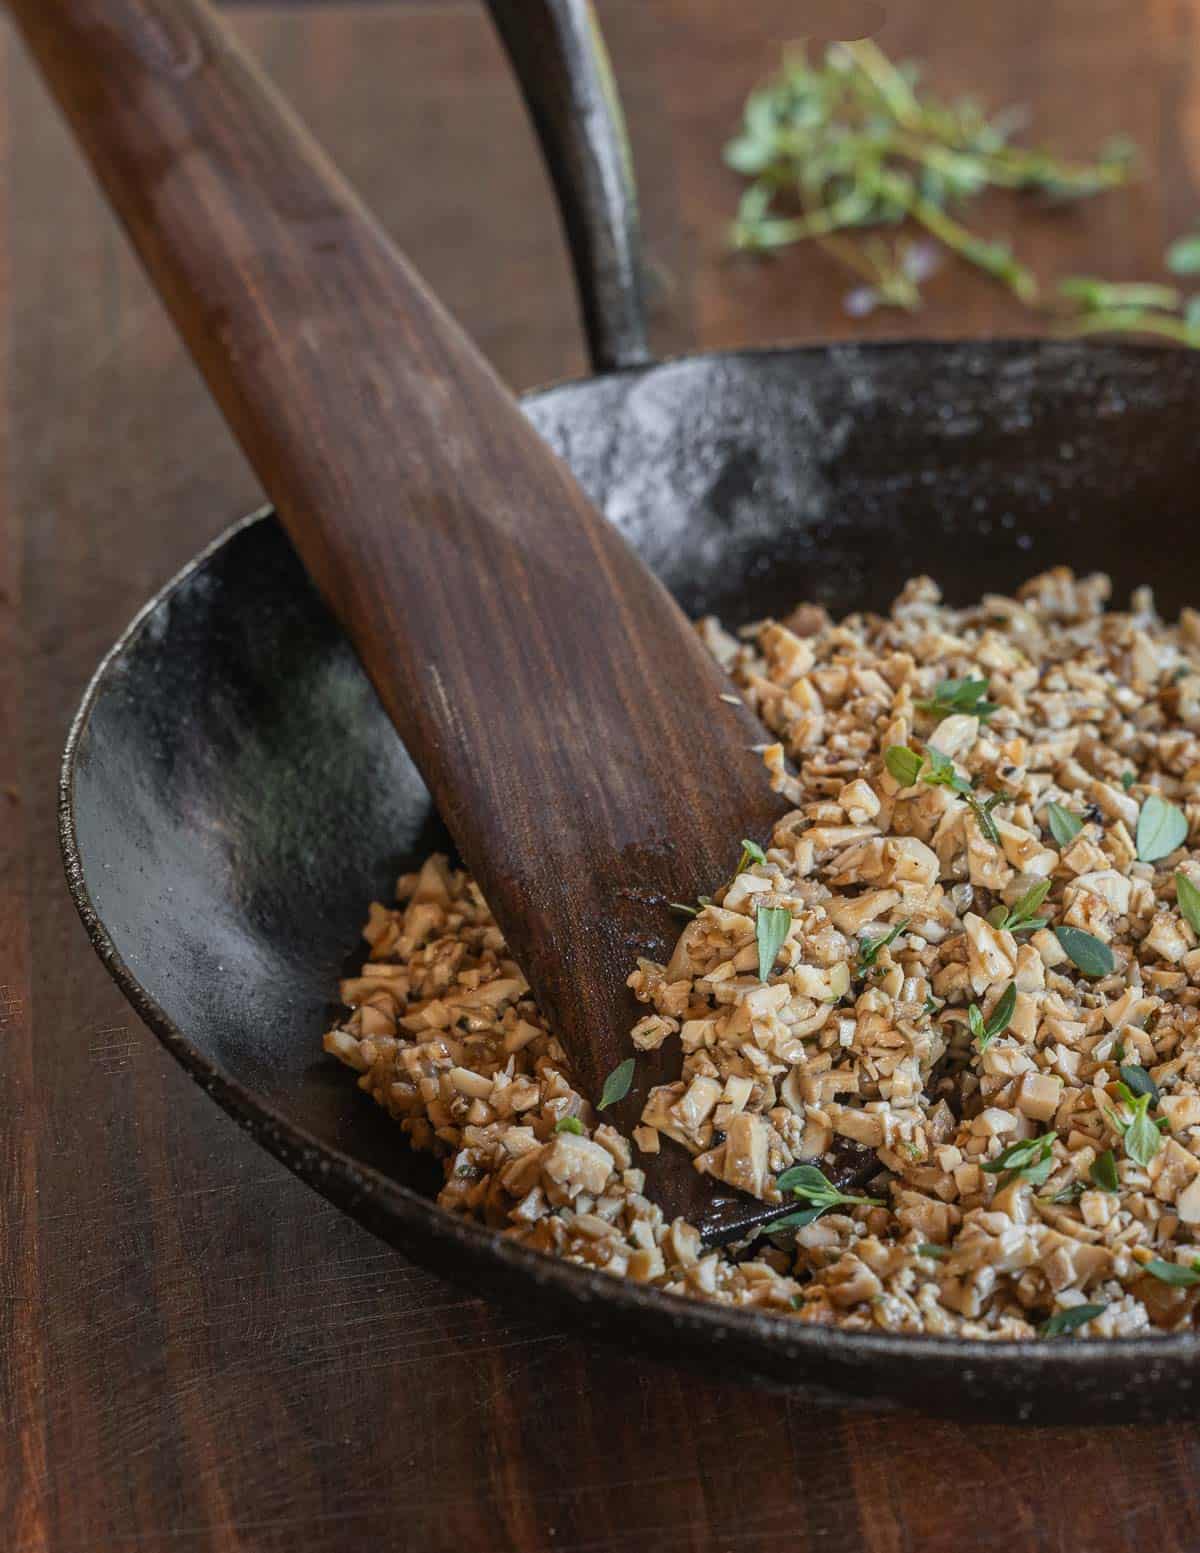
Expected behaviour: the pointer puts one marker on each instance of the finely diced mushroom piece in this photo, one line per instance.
(577, 1163)
(466, 1082)
(954, 735)
(991, 953)
(746, 1154)
(650, 1033)
(854, 913)
(1024, 850)
(1113, 889)
(1038, 1095)
(909, 865)
(1187, 1204)
(859, 801)
(698, 1102)
(1168, 938)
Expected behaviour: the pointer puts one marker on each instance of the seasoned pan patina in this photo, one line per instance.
(220, 847)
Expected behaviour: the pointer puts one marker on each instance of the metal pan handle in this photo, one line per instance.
(563, 68)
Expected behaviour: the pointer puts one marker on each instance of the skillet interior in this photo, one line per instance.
(233, 794)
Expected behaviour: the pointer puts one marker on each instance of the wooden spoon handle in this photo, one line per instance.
(536, 670)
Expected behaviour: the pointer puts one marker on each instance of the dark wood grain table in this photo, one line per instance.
(195, 1351)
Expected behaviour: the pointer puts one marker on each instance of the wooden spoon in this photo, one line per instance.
(583, 748)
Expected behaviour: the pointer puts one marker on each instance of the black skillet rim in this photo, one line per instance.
(324, 1168)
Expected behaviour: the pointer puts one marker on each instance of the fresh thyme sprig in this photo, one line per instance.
(1174, 1273)
(1091, 306)
(810, 1186)
(1032, 1159)
(1141, 1136)
(868, 949)
(938, 770)
(1161, 828)
(771, 927)
(960, 695)
(1070, 1319)
(617, 1084)
(985, 1030)
(1021, 916)
(851, 145)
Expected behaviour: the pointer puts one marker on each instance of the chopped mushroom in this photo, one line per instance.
(1000, 1153)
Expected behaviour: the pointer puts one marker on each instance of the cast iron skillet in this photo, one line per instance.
(233, 795)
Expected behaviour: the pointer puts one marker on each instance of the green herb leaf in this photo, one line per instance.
(1103, 1173)
(570, 1124)
(986, 1031)
(796, 1220)
(806, 1180)
(1183, 256)
(983, 818)
(1161, 828)
(1021, 916)
(904, 764)
(684, 910)
(936, 1253)
(616, 1085)
(1142, 1138)
(751, 853)
(1069, 1320)
(1070, 1193)
(771, 927)
(861, 147)
(1187, 897)
(1026, 906)
(941, 772)
(1064, 826)
(813, 1187)
(960, 695)
(1032, 1159)
(1139, 1082)
(1128, 778)
(1101, 296)
(868, 949)
(1092, 956)
(1173, 1273)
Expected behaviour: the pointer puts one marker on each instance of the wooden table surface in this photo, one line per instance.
(195, 1351)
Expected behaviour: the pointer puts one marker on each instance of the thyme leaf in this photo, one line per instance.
(1064, 1321)
(841, 149)
(1174, 1273)
(1092, 955)
(1021, 916)
(986, 1030)
(960, 695)
(1187, 897)
(1103, 1173)
(617, 1084)
(811, 1186)
(1161, 828)
(868, 949)
(771, 927)
(1064, 826)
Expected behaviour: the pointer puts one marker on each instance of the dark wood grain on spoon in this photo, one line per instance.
(568, 722)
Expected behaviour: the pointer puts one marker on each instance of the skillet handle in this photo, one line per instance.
(563, 68)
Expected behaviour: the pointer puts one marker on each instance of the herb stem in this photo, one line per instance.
(898, 96)
(1160, 324)
(963, 242)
